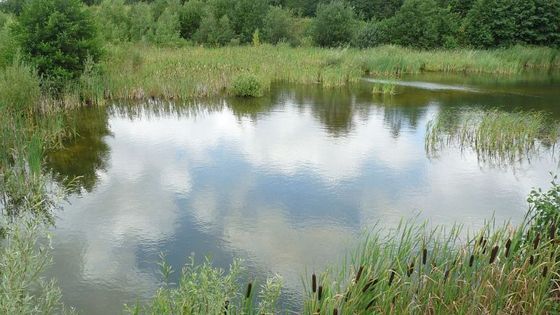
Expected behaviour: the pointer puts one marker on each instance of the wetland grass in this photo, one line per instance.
(497, 137)
(143, 71)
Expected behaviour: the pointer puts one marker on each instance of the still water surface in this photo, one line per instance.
(287, 182)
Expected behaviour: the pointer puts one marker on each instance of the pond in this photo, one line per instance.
(288, 182)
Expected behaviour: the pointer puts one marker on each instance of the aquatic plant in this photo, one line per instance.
(247, 85)
(497, 137)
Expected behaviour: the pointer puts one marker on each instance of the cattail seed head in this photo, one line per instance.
(480, 240)
(410, 269)
(494, 254)
(359, 274)
(446, 275)
(471, 260)
(536, 241)
(371, 283)
(249, 288)
(508, 246)
(424, 256)
(552, 231)
(320, 293)
(391, 276)
(313, 283)
(545, 271)
(531, 260)
(370, 304)
(335, 311)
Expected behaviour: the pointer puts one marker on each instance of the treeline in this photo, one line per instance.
(360, 23)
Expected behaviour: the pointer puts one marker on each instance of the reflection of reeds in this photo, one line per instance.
(497, 137)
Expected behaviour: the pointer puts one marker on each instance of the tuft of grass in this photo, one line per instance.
(247, 85)
(384, 89)
(497, 137)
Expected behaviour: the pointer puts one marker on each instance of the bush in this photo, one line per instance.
(334, 24)
(277, 25)
(421, 24)
(57, 36)
(113, 19)
(190, 17)
(166, 29)
(247, 17)
(214, 32)
(8, 44)
(247, 85)
(371, 34)
(141, 22)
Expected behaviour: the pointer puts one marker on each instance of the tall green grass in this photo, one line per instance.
(497, 137)
(143, 71)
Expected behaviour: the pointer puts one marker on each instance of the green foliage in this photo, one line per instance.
(375, 9)
(247, 85)
(502, 23)
(57, 36)
(277, 25)
(19, 89)
(23, 290)
(8, 43)
(372, 34)
(248, 16)
(334, 24)
(422, 24)
(167, 28)
(190, 17)
(213, 31)
(545, 207)
(12, 6)
(113, 20)
(141, 22)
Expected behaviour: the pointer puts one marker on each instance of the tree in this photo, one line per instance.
(334, 24)
(247, 17)
(216, 32)
(57, 36)
(141, 21)
(277, 25)
(375, 9)
(422, 24)
(190, 17)
(12, 6)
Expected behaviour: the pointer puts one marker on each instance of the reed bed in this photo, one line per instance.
(497, 137)
(143, 71)
(418, 270)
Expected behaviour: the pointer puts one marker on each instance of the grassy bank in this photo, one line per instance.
(138, 72)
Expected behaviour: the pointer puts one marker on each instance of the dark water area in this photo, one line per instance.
(288, 182)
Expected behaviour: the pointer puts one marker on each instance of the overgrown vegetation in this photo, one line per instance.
(497, 137)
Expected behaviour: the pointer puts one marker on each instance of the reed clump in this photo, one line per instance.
(415, 269)
(497, 137)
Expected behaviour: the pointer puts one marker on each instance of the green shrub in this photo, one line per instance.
(166, 29)
(8, 43)
(247, 17)
(247, 85)
(141, 22)
(113, 20)
(214, 32)
(190, 17)
(57, 36)
(277, 25)
(371, 34)
(334, 24)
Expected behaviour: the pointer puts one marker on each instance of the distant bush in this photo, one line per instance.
(371, 34)
(190, 17)
(8, 43)
(214, 32)
(247, 17)
(247, 85)
(57, 36)
(167, 28)
(277, 24)
(334, 24)
(141, 22)
(113, 20)
(421, 24)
